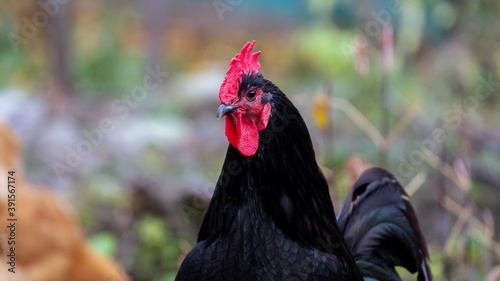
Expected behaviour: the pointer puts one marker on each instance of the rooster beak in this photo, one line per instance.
(225, 109)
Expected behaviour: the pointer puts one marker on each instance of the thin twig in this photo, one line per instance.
(359, 119)
(445, 168)
(401, 126)
(463, 216)
(387, 57)
(416, 183)
(477, 227)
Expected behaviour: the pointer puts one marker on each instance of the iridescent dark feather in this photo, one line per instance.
(381, 228)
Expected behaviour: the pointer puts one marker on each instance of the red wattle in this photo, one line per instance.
(231, 134)
(243, 135)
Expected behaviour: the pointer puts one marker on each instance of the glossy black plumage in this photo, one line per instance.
(381, 228)
(271, 217)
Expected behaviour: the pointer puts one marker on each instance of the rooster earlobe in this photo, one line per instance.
(264, 117)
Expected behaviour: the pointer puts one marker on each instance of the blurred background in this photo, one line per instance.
(114, 104)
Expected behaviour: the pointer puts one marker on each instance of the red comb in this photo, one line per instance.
(242, 62)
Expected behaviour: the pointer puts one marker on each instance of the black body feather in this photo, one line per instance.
(271, 216)
(381, 228)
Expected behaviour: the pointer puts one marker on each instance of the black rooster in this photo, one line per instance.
(271, 217)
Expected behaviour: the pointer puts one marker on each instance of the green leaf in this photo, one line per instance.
(105, 243)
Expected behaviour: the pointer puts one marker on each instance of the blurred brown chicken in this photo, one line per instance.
(49, 243)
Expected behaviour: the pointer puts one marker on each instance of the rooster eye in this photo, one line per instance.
(251, 95)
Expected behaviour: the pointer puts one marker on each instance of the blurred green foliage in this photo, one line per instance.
(105, 243)
(159, 250)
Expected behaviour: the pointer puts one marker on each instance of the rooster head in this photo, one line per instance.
(244, 102)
